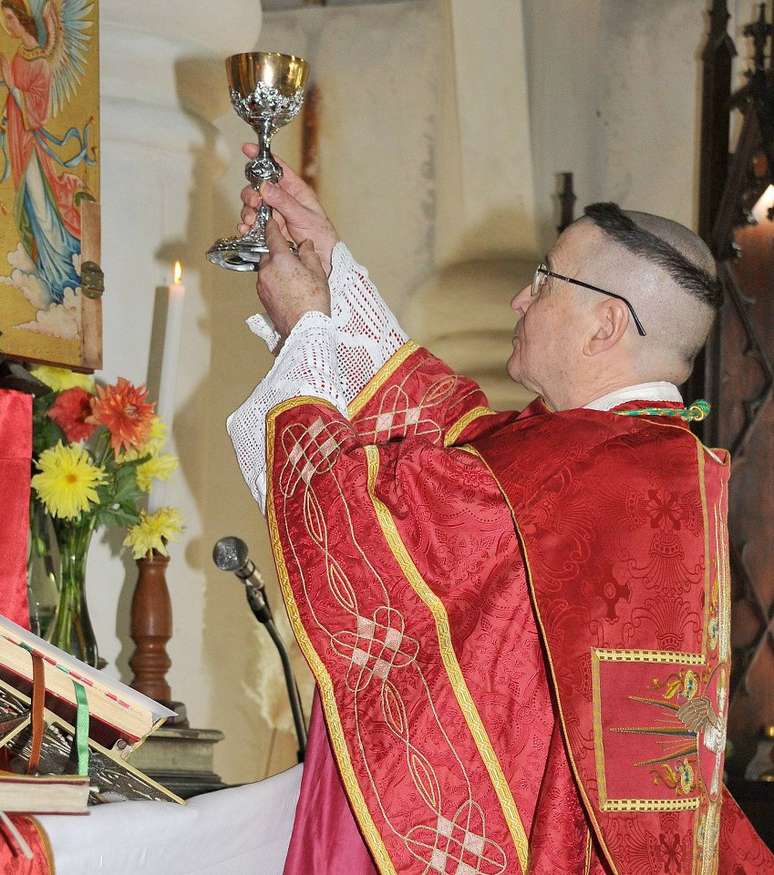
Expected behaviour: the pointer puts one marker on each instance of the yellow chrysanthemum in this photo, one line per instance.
(60, 379)
(67, 480)
(153, 531)
(152, 446)
(156, 468)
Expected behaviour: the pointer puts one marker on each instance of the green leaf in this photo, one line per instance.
(123, 515)
(46, 434)
(127, 490)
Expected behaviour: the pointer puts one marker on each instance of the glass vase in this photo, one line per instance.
(71, 628)
(42, 585)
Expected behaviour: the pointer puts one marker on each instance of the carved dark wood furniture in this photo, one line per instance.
(737, 377)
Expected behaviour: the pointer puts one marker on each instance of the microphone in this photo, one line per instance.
(231, 554)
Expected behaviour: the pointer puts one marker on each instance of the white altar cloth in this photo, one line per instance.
(240, 831)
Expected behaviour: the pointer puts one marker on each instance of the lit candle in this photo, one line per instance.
(169, 360)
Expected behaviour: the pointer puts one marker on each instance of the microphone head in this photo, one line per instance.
(230, 554)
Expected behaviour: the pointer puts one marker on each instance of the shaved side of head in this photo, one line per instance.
(666, 271)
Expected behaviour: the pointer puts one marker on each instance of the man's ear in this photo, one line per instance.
(609, 326)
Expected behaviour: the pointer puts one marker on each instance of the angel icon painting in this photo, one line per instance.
(44, 171)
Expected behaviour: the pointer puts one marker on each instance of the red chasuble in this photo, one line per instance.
(518, 627)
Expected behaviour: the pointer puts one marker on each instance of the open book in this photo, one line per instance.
(58, 714)
(119, 716)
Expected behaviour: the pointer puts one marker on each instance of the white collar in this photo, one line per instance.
(659, 391)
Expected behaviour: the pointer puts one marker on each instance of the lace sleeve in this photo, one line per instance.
(367, 332)
(306, 365)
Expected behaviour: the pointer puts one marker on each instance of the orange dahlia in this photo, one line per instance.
(126, 413)
(70, 412)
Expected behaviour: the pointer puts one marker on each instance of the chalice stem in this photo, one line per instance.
(263, 169)
(258, 231)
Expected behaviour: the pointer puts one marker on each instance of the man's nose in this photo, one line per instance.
(521, 301)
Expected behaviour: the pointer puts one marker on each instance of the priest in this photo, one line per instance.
(518, 623)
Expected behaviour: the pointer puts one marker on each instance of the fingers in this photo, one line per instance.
(249, 218)
(250, 197)
(276, 197)
(291, 181)
(275, 240)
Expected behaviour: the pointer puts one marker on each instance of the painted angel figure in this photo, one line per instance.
(41, 77)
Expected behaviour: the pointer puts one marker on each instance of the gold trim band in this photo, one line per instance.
(652, 804)
(607, 655)
(587, 854)
(463, 422)
(380, 377)
(452, 666)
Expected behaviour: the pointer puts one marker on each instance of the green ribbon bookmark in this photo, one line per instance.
(82, 729)
(694, 413)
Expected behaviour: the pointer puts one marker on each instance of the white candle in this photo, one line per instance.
(169, 361)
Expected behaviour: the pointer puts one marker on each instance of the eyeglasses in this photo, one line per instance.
(542, 273)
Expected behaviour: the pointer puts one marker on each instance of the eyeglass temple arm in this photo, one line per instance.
(569, 279)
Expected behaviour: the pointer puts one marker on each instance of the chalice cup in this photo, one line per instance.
(267, 91)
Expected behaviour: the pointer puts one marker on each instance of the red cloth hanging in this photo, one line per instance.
(15, 472)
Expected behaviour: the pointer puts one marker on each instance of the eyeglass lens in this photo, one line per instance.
(538, 279)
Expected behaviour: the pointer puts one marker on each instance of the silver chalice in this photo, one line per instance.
(267, 91)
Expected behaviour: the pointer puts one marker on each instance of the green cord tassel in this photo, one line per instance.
(698, 410)
(694, 413)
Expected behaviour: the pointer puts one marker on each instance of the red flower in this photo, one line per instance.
(125, 412)
(70, 412)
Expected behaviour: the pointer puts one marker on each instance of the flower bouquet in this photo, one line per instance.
(97, 450)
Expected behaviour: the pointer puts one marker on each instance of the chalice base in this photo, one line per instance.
(238, 253)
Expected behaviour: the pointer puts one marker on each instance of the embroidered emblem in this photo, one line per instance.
(377, 646)
(678, 714)
(308, 451)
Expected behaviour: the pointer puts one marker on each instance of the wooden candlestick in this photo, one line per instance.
(151, 628)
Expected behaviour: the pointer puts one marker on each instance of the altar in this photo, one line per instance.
(240, 830)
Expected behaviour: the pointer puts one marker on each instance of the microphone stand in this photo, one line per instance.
(259, 605)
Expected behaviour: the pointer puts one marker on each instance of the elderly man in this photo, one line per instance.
(518, 624)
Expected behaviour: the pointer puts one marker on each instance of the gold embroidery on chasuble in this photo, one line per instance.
(363, 617)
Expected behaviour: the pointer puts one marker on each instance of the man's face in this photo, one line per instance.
(546, 338)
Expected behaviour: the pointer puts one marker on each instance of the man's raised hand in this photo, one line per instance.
(296, 208)
(290, 285)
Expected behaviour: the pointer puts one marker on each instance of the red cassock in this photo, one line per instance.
(519, 629)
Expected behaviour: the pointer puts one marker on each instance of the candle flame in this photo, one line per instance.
(178, 272)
